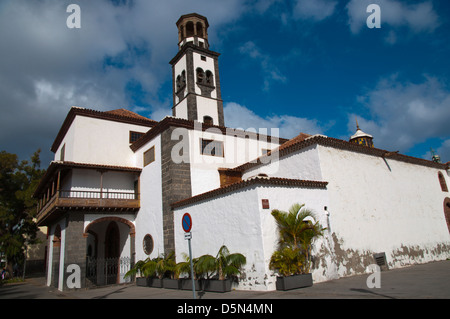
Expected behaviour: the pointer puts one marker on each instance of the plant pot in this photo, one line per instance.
(142, 281)
(186, 284)
(155, 282)
(171, 283)
(214, 285)
(294, 282)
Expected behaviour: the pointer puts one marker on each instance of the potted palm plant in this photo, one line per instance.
(184, 267)
(297, 231)
(139, 269)
(146, 269)
(220, 269)
(165, 267)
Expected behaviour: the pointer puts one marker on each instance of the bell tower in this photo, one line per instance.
(195, 72)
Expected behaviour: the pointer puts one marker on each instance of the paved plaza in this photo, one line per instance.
(425, 281)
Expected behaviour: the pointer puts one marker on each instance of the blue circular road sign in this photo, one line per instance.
(187, 222)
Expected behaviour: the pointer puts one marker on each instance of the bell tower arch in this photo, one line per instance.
(195, 71)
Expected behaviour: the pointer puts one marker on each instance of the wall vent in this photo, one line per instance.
(380, 259)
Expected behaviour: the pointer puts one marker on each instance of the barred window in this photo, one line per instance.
(134, 136)
(211, 147)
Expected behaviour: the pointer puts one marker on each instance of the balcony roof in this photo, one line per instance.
(55, 166)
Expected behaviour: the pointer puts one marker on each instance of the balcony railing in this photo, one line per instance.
(96, 194)
(64, 200)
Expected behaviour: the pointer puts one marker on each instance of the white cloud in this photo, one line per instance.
(404, 114)
(46, 67)
(238, 116)
(316, 10)
(419, 17)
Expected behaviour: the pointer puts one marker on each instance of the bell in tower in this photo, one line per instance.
(195, 69)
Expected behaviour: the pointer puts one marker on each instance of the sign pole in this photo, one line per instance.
(192, 268)
(186, 222)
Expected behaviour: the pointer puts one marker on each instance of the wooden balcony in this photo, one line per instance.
(92, 201)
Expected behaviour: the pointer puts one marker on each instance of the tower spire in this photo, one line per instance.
(195, 69)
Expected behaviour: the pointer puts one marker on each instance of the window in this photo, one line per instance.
(134, 136)
(203, 58)
(63, 153)
(149, 156)
(208, 120)
(211, 147)
(444, 187)
(148, 244)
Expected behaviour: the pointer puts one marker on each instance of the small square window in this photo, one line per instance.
(149, 156)
(134, 136)
(203, 58)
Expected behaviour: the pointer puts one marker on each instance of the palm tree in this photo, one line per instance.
(297, 231)
(224, 264)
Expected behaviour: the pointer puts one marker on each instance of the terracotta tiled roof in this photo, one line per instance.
(119, 115)
(126, 113)
(257, 180)
(301, 142)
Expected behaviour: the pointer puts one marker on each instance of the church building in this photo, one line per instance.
(120, 183)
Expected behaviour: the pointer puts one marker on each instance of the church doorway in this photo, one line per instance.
(112, 253)
(109, 251)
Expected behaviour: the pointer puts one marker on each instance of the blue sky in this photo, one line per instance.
(301, 65)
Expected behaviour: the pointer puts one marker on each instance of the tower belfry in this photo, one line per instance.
(195, 71)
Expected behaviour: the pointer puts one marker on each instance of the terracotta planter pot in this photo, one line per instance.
(294, 282)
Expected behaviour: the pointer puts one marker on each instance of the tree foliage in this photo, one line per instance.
(18, 181)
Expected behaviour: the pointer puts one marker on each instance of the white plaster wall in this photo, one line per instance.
(91, 140)
(89, 180)
(237, 151)
(181, 109)
(238, 221)
(207, 107)
(303, 164)
(377, 206)
(149, 219)
(69, 142)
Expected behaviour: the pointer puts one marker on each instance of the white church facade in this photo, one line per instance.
(120, 184)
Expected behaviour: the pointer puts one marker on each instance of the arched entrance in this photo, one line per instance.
(112, 253)
(110, 250)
